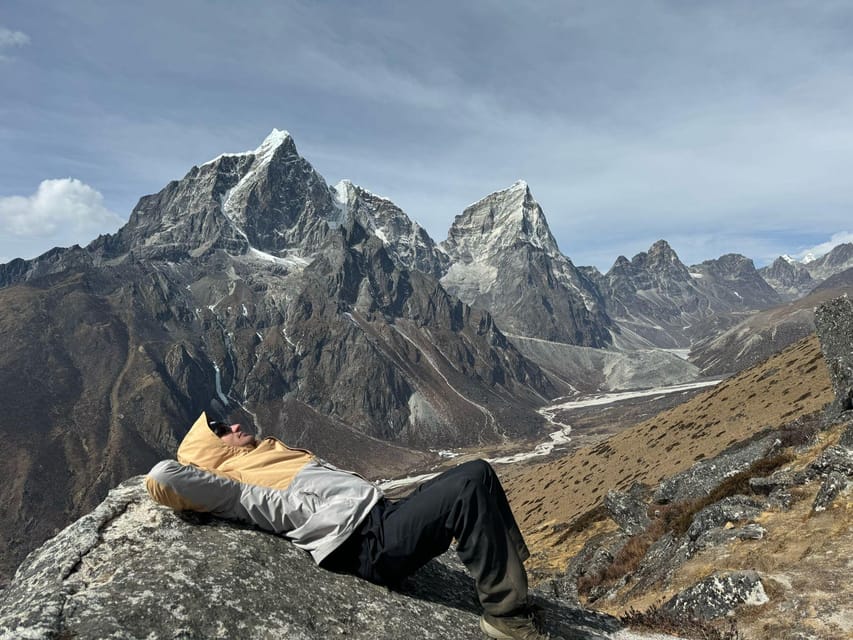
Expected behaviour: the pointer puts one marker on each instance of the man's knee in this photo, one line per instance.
(478, 470)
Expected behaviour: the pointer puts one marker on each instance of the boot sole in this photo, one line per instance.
(492, 632)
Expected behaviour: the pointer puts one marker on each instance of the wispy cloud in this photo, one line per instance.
(10, 39)
(812, 253)
(66, 204)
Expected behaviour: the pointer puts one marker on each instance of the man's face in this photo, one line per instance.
(237, 437)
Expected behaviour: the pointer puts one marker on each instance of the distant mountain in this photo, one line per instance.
(788, 277)
(733, 283)
(836, 261)
(765, 333)
(793, 279)
(657, 301)
(503, 258)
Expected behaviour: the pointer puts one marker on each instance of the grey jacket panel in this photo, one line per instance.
(318, 511)
(326, 505)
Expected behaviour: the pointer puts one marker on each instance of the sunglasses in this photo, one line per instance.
(219, 428)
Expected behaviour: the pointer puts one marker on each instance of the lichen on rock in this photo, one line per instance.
(134, 569)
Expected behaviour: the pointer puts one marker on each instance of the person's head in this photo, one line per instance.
(232, 435)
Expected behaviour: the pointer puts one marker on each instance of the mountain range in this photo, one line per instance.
(325, 316)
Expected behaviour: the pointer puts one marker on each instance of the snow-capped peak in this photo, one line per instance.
(789, 259)
(272, 142)
(499, 220)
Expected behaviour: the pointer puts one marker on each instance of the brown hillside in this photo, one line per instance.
(548, 496)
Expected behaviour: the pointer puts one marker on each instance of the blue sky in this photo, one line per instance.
(718, 126)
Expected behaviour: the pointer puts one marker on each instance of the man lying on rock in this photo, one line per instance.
(346, 523)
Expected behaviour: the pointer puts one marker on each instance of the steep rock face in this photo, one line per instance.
(406, 241)
(652, 297)
(733, 283)
(503, 258)
(834, 322)
(133, 569)
(789, 278)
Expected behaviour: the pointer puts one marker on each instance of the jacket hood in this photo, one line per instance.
(203, 448)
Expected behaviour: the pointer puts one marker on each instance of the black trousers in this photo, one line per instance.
(467, 503)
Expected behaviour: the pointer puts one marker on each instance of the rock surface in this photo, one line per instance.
(833, 485)
(834, 323)
(720, 594)
(704, 476)
(734, 509)
(628, 509)
(504, 258)
(133, 569)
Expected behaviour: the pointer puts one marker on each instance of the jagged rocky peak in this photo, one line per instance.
(498, 222)
(788, 277)
(503, 258)
(786, 271)
(409, 245)
(270, 199)
(661, 259)
(659, 267)
(734, 280)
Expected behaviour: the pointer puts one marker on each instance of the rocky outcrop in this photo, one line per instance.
(133, 569)
(719, 595)
(698, 511)
(834, 323)
(700, 479)
(628, 508)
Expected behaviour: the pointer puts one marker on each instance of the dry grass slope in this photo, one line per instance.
(549, 496)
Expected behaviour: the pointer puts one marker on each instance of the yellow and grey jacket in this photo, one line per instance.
(283, 490)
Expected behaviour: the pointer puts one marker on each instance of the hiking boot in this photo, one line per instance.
(518, 627)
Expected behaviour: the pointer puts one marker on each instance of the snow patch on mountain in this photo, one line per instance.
(274, 140)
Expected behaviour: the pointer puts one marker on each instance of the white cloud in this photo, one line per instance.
(65, 206)
(813, 253)
(9, 39)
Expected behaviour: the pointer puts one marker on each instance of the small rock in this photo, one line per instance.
(628, 509)
(834, 458)
(766, 485)
(719, 595)
(731, 509)
(834, 484)
(780, 499)
(718, 536)
(846, 440)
